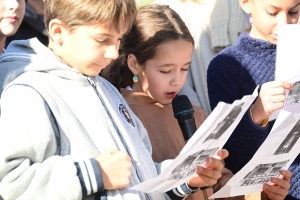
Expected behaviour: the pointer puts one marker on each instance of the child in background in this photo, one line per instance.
(153, 66)
(237, 70)
(12, 13)
(65, 132)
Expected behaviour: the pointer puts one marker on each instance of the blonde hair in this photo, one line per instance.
(74, 13)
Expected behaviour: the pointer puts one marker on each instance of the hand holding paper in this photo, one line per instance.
(271, 98)
(279, 187)
(210, 174)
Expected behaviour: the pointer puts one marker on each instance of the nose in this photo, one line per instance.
(112, 52)
(12, 4)
(283, 19)
(176, 79)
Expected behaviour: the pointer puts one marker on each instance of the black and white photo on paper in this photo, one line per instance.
(294, 95)
(226, 123)
(262, 173)
(190, 164)
(290, 140)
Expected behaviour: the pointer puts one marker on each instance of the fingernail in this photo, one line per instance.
(267, 187)
(273, 180)
(200, 169)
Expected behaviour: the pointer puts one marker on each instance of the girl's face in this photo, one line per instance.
(267, 14)
(162, 77)
(12, 13)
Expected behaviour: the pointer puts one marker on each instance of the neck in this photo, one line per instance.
(2, 43)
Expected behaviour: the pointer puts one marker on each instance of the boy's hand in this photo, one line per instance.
(280, 186)
(115, 169)
(211, 173)
(270, 98)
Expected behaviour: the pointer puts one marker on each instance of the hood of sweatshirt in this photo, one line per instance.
(23, 56)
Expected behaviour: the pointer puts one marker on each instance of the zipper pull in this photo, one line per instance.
(91, 81)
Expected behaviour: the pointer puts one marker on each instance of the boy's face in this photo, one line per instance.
(90, 49)
(267, 14)
(163, 76)
(12, 13)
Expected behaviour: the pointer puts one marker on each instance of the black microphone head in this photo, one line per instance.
(181, 104)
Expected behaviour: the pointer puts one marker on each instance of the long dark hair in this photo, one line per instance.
(153, 26)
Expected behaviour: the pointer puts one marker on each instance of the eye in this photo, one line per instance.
(101, 41)
(272, 14)
(183, 69)
(293, 13)
(165, 72)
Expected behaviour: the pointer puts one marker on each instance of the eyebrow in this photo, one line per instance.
(279, 8)
(171, 64)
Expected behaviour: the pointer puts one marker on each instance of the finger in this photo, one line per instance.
(281, 182)
(208, 178)
(210, 173)
(278, 98)
(112, 151)
(274, 192)
(276, 84)
(276, 106)
(214, 163)
(286, 175)
(222, 154)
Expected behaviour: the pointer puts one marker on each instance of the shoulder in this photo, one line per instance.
(199, 115)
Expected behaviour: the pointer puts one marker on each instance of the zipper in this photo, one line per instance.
(116, 127)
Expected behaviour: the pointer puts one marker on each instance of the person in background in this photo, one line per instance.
(12, 13)
(33, 23)
(239, 69)
(151, 70)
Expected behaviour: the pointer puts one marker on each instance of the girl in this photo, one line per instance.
(238, 69)
(153, 66)
(12, 13)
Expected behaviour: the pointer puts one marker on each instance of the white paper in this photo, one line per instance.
(288, 64)
(211, 136)
(288, 52)
(277, 152)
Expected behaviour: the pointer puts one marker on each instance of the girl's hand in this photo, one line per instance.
(271, 97)
(210, 174)
(279, 187)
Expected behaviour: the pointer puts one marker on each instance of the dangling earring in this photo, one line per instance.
(135, 78)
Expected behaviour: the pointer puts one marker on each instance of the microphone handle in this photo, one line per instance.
(187, 126)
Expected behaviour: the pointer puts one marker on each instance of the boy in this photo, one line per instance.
(67, 137)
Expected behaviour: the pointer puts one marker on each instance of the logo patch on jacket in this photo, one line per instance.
(125, 114)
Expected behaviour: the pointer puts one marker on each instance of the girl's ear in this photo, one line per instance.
(56, 31)
(132, 64)
(246, 5)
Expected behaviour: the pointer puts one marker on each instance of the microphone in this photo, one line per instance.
(184, 113)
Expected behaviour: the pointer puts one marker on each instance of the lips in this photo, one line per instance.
(171, 95)
(11, 18)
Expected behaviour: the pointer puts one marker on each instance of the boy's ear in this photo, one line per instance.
(56, 31)
(132, 64)
(246, 5)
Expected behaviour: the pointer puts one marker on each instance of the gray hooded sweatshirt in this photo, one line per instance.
(55, 121)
